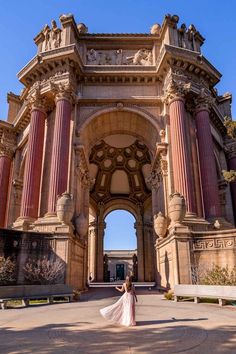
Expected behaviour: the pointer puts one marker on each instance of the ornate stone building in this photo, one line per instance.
(121, 121)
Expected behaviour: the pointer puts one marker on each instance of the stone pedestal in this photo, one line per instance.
(207, 161)
(173, 257)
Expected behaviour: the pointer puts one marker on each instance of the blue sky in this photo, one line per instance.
(22, 20)
(120, 232)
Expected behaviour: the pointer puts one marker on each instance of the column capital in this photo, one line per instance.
(64, 91)
(6, 151)
(203, 102)
(175, 91)
(7, 143)
(36, 101)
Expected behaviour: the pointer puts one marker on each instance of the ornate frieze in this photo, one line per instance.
(215, 243)
(119, 57)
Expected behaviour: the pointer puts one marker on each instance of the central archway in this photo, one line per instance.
(120, 146)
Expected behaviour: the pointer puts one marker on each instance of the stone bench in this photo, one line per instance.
(30, 292)
(220, 292)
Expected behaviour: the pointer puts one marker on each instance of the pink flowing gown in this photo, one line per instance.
(121, 312)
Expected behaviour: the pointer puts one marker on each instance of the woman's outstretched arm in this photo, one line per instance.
(122, 289)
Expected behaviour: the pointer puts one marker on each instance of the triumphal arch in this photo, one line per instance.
(120, 121)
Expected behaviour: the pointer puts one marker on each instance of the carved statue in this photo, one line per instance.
(141, 57)
(55, 35)
(82, 29)
(92, 57)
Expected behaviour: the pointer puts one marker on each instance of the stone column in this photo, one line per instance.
(100, 251)
(140, 246)
(33, 164)
(183, 182)
(60, 149)
(93, 251)
(6, 154)
(207, 159)
(231, 158)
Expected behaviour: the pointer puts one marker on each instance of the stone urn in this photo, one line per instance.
(177, 208)
(65, 207)
(160, 224)
(81, 225)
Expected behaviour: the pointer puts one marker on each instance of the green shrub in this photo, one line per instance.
(219, 276)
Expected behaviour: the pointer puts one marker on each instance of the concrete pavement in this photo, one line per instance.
(162, 327)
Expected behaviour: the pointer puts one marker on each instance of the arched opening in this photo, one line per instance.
(120, 246)
(120, 148)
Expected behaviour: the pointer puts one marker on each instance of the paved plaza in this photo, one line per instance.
(162, 327)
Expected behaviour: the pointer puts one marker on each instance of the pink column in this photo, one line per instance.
(33, 164)
(5, 169)
(60, 152)
(183, 181)
(207, 162)
(232, 166)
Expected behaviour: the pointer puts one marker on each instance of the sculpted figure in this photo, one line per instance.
(141, 57)
(92, 56)
(55, 35)
(46, 32)
(183, 37)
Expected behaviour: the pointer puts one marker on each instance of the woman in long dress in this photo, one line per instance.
(123, 311)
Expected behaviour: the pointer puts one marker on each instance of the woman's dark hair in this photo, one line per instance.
(128, 282)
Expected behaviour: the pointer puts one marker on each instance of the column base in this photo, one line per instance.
(196, 223)
(23, 223)
(219, 223)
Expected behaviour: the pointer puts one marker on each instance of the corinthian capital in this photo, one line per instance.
(203, 102)
(36, 100)
(64, 91)
(175, 91)
(6, 150)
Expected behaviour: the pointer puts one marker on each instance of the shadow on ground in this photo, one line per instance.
(75, 338)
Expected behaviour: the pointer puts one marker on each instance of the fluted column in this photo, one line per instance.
(231, 157)
(140, 246)
(60, 150)
(33, 164)
(183, 181)
(207, 159)
(6, 154)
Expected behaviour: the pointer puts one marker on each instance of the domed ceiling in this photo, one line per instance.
(119, 164)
